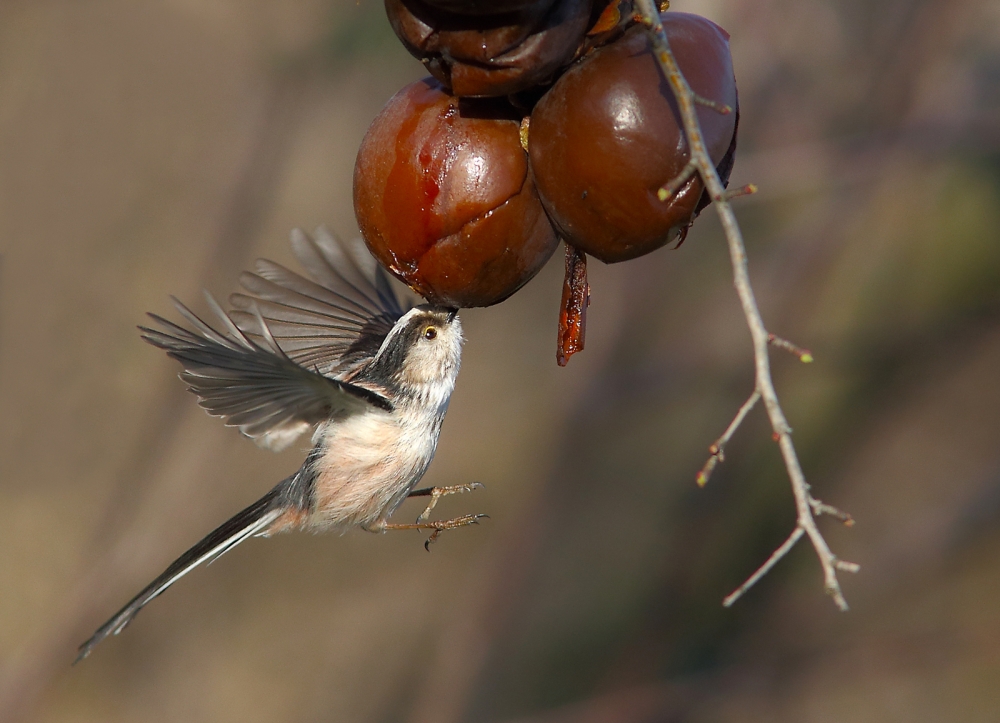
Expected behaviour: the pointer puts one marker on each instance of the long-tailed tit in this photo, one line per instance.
(336, 352)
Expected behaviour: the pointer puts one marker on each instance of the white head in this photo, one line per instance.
(421, 356)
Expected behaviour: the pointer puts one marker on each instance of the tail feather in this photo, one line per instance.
(251, 521)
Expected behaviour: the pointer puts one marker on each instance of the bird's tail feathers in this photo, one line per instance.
(254, 520)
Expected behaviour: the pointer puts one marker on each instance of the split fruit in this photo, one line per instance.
(444, 199)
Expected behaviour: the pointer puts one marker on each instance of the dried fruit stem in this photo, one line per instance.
(573, 309)
(687, 101)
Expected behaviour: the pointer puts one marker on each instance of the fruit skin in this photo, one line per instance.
(444, 199)
(607, 137)
(475, 55)
(485, 7)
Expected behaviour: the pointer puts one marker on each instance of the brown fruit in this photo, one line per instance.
(607, 137)
(486, 7)
(444, 199)
(491, 55)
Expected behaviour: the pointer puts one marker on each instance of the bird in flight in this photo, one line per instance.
(336, 353)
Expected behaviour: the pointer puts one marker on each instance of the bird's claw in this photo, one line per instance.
(437, 493)
(442, 525)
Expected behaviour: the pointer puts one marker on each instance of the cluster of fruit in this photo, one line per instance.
(543, 120)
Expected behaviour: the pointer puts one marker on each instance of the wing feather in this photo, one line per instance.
(329, 262)
(254, 386)
(277, 365)
(333, 320)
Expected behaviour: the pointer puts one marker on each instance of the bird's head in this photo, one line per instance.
(422, 353)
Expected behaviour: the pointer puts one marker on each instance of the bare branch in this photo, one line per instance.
(766, 567)
(686, 103)
(805, 356)
(819, 508)
(717, 449)
(683, 177)
(747, 190)
(720, 108)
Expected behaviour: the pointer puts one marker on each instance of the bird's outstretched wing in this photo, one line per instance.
(332, 321)
(276, 369)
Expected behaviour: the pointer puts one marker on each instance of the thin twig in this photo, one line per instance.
(766, 567)
(747, 190)
(717, 450)
(820, 508)
(669, 189)
(686, 102)
(805, 356)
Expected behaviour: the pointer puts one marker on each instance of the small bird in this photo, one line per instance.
(337, 353)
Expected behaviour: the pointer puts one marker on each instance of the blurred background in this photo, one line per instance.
(157, 148)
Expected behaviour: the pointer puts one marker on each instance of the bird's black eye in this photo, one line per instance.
(430, 332)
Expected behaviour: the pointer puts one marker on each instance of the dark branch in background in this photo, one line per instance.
(807, 507)
(23, 680)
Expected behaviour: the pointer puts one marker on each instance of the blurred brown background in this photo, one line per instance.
(159, 147)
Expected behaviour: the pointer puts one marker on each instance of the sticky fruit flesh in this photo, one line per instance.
(444, 199)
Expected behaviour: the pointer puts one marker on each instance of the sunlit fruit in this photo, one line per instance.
(516, 47)
(444, 199)
(607, 137)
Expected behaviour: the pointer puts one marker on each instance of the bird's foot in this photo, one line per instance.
(437, 526)
(436, 493)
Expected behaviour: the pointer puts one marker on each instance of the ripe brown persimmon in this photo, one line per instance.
(444, 199)
(516, 47)
(607, 136)
(486, 7)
